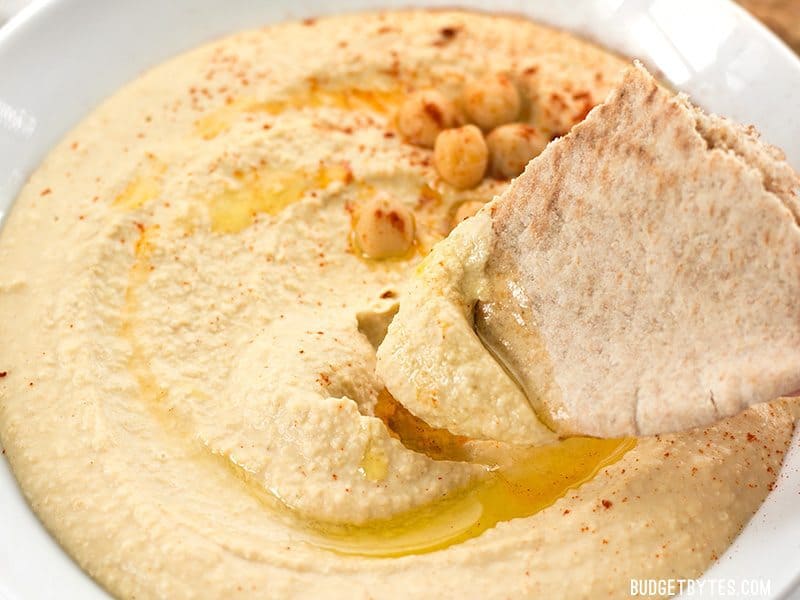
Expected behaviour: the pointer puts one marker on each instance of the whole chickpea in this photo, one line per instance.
(461, 156)
(511, 147)
(492, 101)
(384, 228)
(466, 210)
(423, 115)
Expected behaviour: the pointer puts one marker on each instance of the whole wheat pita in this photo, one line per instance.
(643, 273)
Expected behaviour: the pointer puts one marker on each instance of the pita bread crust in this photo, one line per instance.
(659, 252)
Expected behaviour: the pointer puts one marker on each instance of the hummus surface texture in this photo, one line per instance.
(188, 387)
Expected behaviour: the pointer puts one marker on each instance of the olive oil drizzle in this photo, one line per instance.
(535, 480)
(529, 480)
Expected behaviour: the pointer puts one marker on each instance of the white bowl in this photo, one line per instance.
(60, 58)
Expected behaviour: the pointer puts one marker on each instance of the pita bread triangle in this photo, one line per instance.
(645, 270)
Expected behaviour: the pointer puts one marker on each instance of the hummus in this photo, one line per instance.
(189, 396)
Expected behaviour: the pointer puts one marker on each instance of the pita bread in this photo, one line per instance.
(431, 359)
(645, 270)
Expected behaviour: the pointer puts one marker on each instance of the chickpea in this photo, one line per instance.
(511, 147)
(466, 210)
(492, 101)
(384, 228)
(461, 156)
(423, 115)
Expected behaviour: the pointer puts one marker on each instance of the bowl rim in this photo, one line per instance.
(38, 15)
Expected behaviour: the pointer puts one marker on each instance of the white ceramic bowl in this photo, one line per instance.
(59, 58)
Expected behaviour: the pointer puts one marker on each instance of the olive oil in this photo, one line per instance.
(535, 479)
(378, 101)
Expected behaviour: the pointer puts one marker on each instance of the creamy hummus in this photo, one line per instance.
(187, 345)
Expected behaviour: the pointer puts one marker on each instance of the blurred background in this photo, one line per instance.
(782, 16)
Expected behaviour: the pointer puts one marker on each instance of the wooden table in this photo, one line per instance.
(782, 16)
